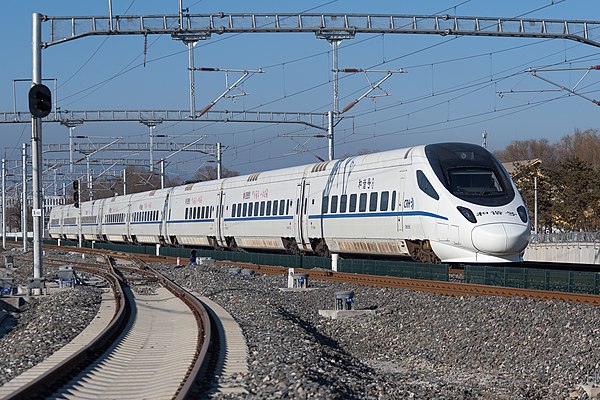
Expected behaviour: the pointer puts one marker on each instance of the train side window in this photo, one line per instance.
(202, 212)
(425, 185)
(334, 204)
(282, 206)
(287, 208)
(373, 201)
(256, 209)
(244, 209)
(269, 207)
(352, 203)
(383, 203)
(262, 208)
(393, 200)
(275, 207)
(297, 205)
(362, 204)
(325, 205)
(239, 210)
(250, 209)
(233, 207)
(343, 203)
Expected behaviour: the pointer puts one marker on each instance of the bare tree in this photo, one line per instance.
(209, 173)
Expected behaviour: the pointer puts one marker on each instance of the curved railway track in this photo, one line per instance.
(151, 339)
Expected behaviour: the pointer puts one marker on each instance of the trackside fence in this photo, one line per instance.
(540, 279)
(399, 269)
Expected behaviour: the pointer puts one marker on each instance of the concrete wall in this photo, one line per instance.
(584, 253)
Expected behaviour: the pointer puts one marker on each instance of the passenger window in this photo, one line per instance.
(269, 208)
(250, 209)
(256, 209)
(275, 206)
(352, 203)
(325, 205)
(334, 203)
(262, 208)
(385, 198)
(362, 205)
(393, 200)
(244, 209)
(425, 185)
(282, 206)
(233, 207)
(343, 203)
(239, 210)
(373, 201)
(287, 208)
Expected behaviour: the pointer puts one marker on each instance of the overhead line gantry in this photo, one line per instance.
(64, 29)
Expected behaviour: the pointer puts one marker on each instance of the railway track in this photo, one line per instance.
(151, 339)
(445, 288)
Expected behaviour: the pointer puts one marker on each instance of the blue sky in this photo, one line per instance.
(454, 89)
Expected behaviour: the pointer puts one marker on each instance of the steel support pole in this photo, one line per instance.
(152, 148)
(190, 45)
(89, 181)
(24, 196)
(335, 77)
(330, 134)
(124, 182)
(36, 149)
(219, 161)
(162, 173)
(3, 204)
(535, 212)
(71, 168)
(79, 233)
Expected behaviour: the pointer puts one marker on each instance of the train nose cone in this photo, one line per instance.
(500, 238)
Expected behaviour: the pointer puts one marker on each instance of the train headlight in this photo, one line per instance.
(522, 213)
(468, 214)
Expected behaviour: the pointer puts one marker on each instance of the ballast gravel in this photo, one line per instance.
(43, 324)
(413, 346)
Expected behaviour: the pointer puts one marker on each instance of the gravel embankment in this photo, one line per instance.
(414, 346)
(45, 323)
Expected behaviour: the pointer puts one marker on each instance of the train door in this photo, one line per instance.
(219, 219)
(401, 202)
(301, 217)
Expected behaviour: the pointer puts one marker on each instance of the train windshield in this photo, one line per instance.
(470, 173)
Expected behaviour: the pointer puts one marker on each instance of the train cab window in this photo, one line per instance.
(343, 203)
(275, 207)
(334, 204)
(282, 206)
(244, 209)
(352, 203)
(385, 198)
(250, 209)
(425, 185)
(269, 204)
(262, 208)
(233, 208)
(393, 200)
(373, 201)
(362, 205)
(325, 205)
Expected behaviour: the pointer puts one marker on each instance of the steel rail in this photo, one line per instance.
(49, 380)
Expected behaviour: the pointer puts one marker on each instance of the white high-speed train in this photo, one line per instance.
(449, 202)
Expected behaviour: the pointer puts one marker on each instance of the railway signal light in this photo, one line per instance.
(40, 101)
(76, 193)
